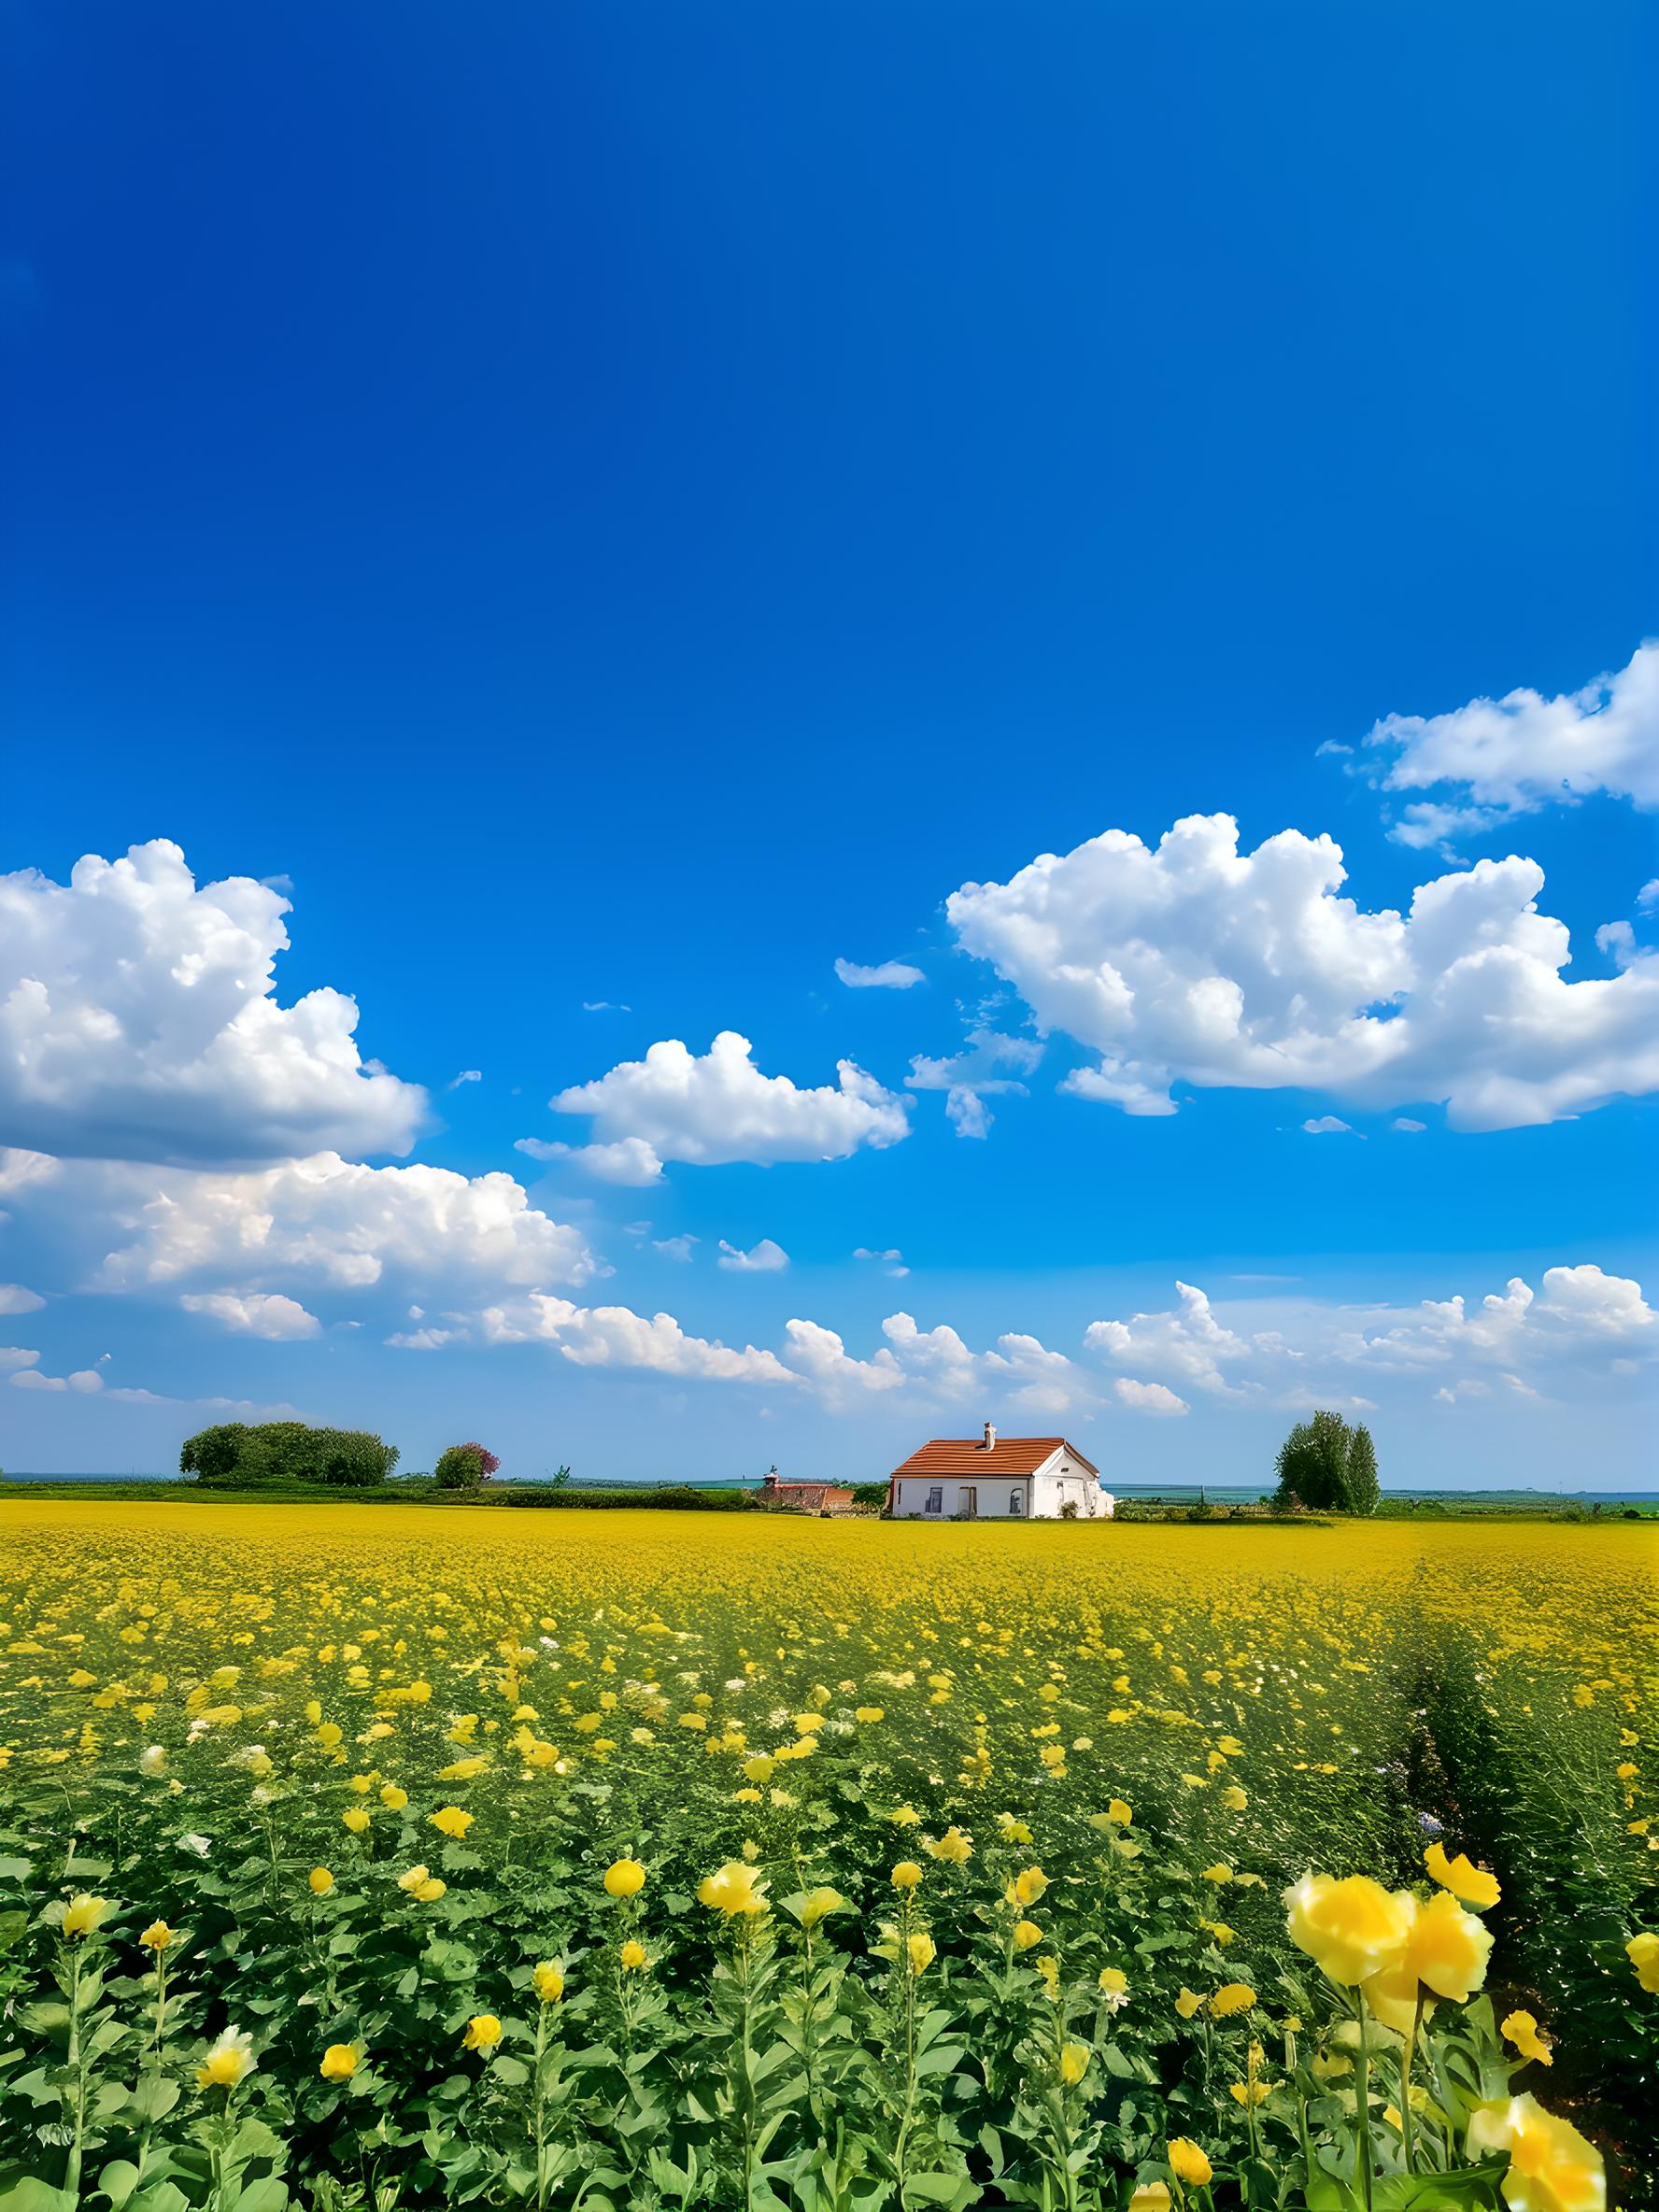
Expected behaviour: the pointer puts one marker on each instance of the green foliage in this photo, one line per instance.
(1364, 1491)
(1328, 1466)
(460, 1466)
(235, 1456)
(212, 1453)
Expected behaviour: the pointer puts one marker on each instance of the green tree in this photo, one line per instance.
(1314, 1462)
(460, 1466)
(1365, 1492)
(211, 1455)
(235, 1456)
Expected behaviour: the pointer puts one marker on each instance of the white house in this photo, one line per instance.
(993, 1478)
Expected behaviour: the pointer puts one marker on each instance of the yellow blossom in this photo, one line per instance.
(1642, 1951)
(227, 2062)
(906, 1875)
(340, 2061)
(623, 1877)
(449, 1819)
(1522, 2030)
(632, 1956)
(1188, 2163)
(1351, 1929)
(549, 1981)
(84, 1915)
(1472, 1883)
(158, 1936)
(734, 1889)
(919, 1951)
(1553, 2168)
(483, 2034)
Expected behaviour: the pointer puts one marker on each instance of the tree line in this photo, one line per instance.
(1329, 1467)
(251, 1455)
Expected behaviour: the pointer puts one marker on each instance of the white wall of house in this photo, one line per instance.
(990, 1496)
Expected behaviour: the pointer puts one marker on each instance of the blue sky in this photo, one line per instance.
(636, 505)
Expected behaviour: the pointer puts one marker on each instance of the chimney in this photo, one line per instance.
(990, 1439)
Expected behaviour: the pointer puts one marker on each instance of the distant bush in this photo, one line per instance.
(463, 1466)
(236, 1455)
(672, 1497)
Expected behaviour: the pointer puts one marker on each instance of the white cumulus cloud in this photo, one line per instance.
(886, 975)
(616, 1336)
(988, 1066)
(1193, 962)
(138, 1020)
(1149, 1397)
(254, 1313)
(15, 1299)
(335, 1222)
(711, 1109)
(764, 1258)
(1510, 755)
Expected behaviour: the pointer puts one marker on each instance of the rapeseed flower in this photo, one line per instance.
(1522, 2030)
(1472, 1883)
(483, 2034)
(1351, 1929)
(340, 2061)
(623, 1877)
(227, 2062)
(84, 1915)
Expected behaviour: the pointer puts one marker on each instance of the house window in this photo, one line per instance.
(1016, 1503)
(936, 1499)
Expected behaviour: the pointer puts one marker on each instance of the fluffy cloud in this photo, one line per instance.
(989, 1065)
(14, 1298)
(138, 1021)
(336, 1223)
(1510, 755)
(891, 1261)
(1188, 1342)
(254, 1313)
(764, 1258)
(1194, 963)
(819, 1354)
(1326, 1125)
(1582, 1326)
(630, 1161)
(888, 975)
(1149, 1397)
(616, 1336)
(711, 1110)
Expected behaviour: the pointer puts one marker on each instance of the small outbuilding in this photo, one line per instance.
(806, 1497)
(993, 1478)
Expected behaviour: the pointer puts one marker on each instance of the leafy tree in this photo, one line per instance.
(211, 1454)
(237, 1456)
(1314, 1462)
(1365, 1493)
(1330, 1467)
(463, 1466)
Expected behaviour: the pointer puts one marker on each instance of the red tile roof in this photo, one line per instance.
(1008, 1455)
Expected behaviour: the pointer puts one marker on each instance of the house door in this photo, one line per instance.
(969, 1498)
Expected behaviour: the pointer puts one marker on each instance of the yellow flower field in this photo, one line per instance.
(617, 1859)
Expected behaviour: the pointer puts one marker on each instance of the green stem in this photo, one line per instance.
(538, 2124)
(1408, 2126)
(745, 2100)
(77, 2068)
(1363, 2094)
